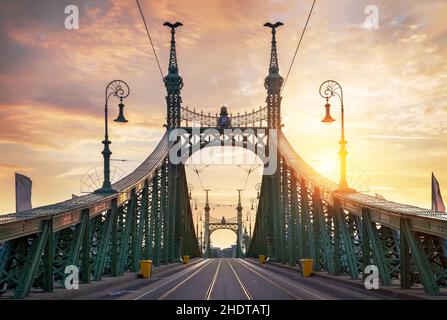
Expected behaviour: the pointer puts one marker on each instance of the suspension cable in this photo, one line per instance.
(150, 40)
(298, 46)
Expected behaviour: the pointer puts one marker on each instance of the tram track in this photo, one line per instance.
(242, 285)
(169, 292)
(202, 263)
(273, 277)
(209, 292)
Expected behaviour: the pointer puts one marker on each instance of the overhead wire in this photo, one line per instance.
(298, 46)
(198, 174)
(150, 39)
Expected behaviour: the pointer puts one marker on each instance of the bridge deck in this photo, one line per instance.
(234, 279)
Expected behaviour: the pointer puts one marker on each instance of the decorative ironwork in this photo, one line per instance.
(117, 88)
(193, 118)
(92, 180)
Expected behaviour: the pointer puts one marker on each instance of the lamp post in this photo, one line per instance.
(119, 89)
(258, 190)
(197, 217)
(329, 89)
(252, 202)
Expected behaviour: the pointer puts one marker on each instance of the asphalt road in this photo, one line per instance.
(240, 279)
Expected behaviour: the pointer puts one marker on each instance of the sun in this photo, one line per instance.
(327, 167)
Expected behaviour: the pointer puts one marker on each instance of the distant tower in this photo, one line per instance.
(239, 225)
(173, 83)
(273, 83)
(207, 227)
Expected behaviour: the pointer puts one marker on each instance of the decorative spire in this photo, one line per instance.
(274, 67)
(173, 82)
(173, 66)
(273, 83)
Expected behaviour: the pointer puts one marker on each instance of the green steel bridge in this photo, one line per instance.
(300, 214)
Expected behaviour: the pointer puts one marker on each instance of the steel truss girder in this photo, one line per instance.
(412, 242)
(21, 260)
(323, 218)
(102, 234)
(371, 240)
(340, 241)
(346, 228)
(67, 246)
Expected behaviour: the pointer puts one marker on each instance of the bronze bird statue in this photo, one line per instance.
(273, 26)
(173, 26)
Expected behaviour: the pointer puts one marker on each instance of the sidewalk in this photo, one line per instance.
(106, 283)
(416, 292)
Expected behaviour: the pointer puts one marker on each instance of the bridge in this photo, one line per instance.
(300, 215)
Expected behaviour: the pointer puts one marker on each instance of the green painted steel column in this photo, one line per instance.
(85, 253)
(295, 244)
(48, 260)
(140, 227)
(269, 217)
(32, 260)
(173, 211)
(426, 275)
(324, 233)
(165, 214)
(152, 225)
(298, 216)
(125, 234)
(78, 237)
(404, 255)
(285, 216)
(133, 252)
(147, 252)
(335, 221)
(366, 245)
(157, 224)
(107, 241)
(317, 216)
(306, 223)
(347, 243)
(115, 219)
(179, 218)
(379, 254)
(276, 213)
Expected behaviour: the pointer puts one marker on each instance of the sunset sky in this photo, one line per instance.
(52, 84)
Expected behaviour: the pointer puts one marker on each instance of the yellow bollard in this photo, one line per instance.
(145, 268)
(262, 258)
(307, 266)
(185, 259)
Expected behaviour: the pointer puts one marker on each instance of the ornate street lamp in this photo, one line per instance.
(119, 89)
(258, 189)
(252, 202)
(329, 89)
